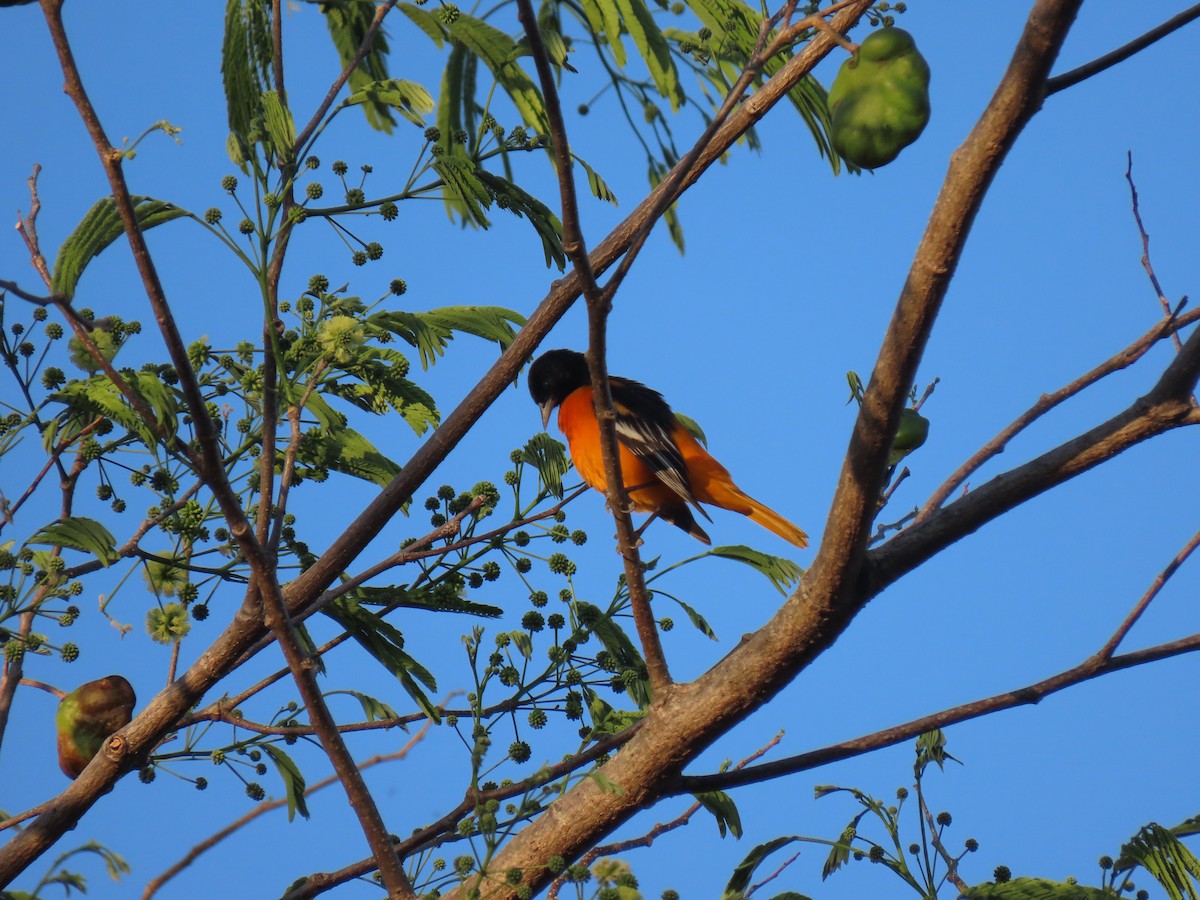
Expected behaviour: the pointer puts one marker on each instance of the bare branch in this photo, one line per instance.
(1094, 667)
(1073, 77)
(1122, 360)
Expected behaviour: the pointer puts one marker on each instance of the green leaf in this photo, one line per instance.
(523, 642)
(600, 189)
(431, 332)
(931, 748)
(293, 780)
(1160, 852)
(723, 809)
(604, 18)
(1187, 827)
(653, 47)
(99, 228)
(374, 710)
(693, 428)
(348, 22)
(462, 189)
(1034, 889)
(426, 21)
(99, 396)
(348, 452)
(671, 217)
(408, 98)
(698, 621)
(520, 203)
(278, 121)
(549, 457)
(246, 56)
(782, 573)
(80, 533)
(499, 53)
(385, 643)
(740, 880)
(839, 853)
(432, 600)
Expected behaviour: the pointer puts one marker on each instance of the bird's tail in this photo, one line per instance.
(773, 521)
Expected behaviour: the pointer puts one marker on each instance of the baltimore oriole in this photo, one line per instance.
(664, 468)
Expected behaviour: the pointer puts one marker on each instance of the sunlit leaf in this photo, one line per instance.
(723, 809)
(375, 710)
(653, 47)
(432, 331)
(408, 98)
(782, 573)
(599, 188)
(549, 457)
(385, 643)
(99, 228)
(499, 53)
(246, 55)
(348, 452)
(1034, 889)
(348, 22)
(521, 203)
(278, 121)
(80, 533)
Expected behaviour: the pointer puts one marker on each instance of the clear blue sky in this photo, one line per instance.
(788, 282)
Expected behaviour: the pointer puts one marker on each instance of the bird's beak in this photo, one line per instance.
(546, 408)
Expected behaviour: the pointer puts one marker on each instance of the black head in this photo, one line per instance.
(553, 376)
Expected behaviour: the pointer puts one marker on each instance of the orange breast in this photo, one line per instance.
(577, 420)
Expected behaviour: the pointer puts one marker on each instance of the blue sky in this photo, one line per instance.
(788, 282)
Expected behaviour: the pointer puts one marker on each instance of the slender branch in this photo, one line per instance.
(934, 838)
(364, 48)
(209, 462)
(1121, 360)
(1108, 60)
(1163, 577)
(599, 303)
(1146, 264)
(1093, 667)
(13, 288)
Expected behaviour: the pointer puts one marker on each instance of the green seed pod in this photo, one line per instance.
(912, 433)
(879, 102)
(87, 716)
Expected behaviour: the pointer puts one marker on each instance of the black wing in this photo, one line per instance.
(645, 425)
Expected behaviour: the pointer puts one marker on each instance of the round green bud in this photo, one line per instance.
(229, 183)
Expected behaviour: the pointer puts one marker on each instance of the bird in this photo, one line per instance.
(665, 469)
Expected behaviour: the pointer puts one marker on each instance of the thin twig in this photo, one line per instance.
(1159, 583)
(934, 838)
(1094, 666)
(1073, 77)
(1122, 360)
(1146, 264)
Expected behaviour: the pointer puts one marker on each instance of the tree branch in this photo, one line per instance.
(1073, 77)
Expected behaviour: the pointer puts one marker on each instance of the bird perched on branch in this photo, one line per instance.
(664, 468)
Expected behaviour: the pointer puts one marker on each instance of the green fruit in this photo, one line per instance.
(87, 716)
(913, 430)
(879, 102)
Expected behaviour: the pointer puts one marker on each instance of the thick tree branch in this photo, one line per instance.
(830, 593)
